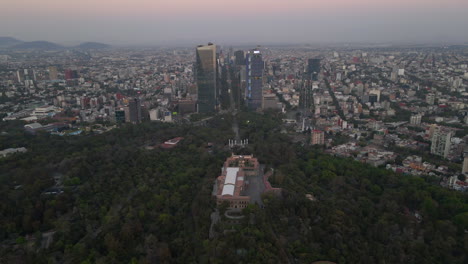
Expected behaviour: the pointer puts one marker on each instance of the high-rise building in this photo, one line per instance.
(206, 76)
(120, 116)
(415, 119)
(68, 74)
(53, 73)
(318, 137)
(26, 75)
(254, 87)
(71, 74)
(240, 57)
(20, 76)
(440, 144)
(313, 69)
(134, 108)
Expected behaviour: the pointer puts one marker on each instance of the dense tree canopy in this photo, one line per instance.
(125, 203)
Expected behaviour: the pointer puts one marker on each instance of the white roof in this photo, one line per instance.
(228, 189)
(33, 126)
(231, 175)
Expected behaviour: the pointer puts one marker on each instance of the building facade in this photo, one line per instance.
(440, 144)
(313, 69)
(206, 77)
(231, 183)
(134, 108)
(239, 58)
(415, 120)
(318, 137)
(254, 87)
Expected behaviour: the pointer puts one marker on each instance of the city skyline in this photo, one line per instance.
(145, 22)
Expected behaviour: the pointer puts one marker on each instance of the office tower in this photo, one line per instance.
(318, 137)
(441, 142)
(415, 119)
(240, 57)
(120, 116)
(313, 69)
(205, 73)
(134, 109)
(53, 74)
(254, 88)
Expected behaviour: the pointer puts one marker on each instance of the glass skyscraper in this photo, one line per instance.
(254, 88)
(206, 78)
(313, 69)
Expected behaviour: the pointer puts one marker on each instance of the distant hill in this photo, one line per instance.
(92, 45)
(12, 43)
(8, 42)
(37, 45)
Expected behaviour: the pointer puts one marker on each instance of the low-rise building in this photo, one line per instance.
(232, 181)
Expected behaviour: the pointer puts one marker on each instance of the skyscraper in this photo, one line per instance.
(240, 57)
(254, 88)
(134, 108)
(313, 69)
(206, 78)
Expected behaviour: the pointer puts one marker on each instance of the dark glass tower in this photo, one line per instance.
(254, 88)
(134, 108)
(240, 57)
(206, 78)
(313, 69)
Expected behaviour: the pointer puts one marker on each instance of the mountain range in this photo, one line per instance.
(12, 43)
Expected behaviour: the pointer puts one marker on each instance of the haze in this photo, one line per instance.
(154, 22)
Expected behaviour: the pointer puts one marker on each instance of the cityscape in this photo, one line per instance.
(249, 150)
(383, 107)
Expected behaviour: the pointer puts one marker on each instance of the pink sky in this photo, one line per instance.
(151, 21)
(194, 7)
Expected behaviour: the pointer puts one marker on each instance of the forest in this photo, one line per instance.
(122, 202)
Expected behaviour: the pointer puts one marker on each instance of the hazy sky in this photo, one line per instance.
(122, 22)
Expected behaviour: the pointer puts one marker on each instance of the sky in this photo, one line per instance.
(169, 22)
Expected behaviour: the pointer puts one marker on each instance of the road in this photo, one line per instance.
(232, 108)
